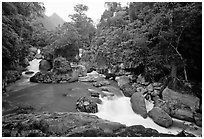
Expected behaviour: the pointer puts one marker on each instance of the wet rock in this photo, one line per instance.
(45, 124)
(127, 90)
(44, 65)
(84, 104)
(107, 94)
(160, 117)
(138, 104)
(101, 83)
(122, 80)
(112, 89)
(92, 77)
(94, 93)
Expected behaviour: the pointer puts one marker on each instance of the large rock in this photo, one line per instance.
(138, 104)
(185, 99)
(92, 77)
(84, 104)
(82, 70)
(45, 124)
(182, 114)
(163, 105)
(160, 117)
(127, 90)
(182, 105)
(122, 80)
(44, 65)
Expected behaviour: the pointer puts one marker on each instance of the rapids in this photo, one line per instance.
(118, 109)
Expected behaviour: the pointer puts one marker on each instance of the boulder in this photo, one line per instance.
(44, 65)
(101, 83)
(122, 80)
(150, 88)
(177, 99)
(92, 77)
(109, 95)
(82, 70)
(138, 104)
(160, 117)
(84, 104)
(74, 76)
(182, 114)
(69, 124)
(128, 90)
(94, 93)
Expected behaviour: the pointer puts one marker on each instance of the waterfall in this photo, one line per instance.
(33, 67)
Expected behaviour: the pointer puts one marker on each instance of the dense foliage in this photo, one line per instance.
(158, 35)
(17, 29)
(161, 36)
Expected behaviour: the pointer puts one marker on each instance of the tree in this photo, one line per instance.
(17, 31)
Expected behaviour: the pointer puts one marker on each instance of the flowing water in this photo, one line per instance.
(116, 109)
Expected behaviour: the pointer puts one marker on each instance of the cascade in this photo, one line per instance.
(119, 110)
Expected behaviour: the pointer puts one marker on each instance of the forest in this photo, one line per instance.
(161, 41)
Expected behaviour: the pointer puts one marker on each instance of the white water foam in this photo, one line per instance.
(120, 110)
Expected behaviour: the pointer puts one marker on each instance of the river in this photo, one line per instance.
(62, 98)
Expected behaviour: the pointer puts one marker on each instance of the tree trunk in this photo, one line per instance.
(174, 76)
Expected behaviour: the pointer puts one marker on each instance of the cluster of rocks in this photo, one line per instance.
(167, 103)
(62, 72)
(45, 124)
(84, 104)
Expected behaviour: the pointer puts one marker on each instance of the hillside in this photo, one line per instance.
(50, 22)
